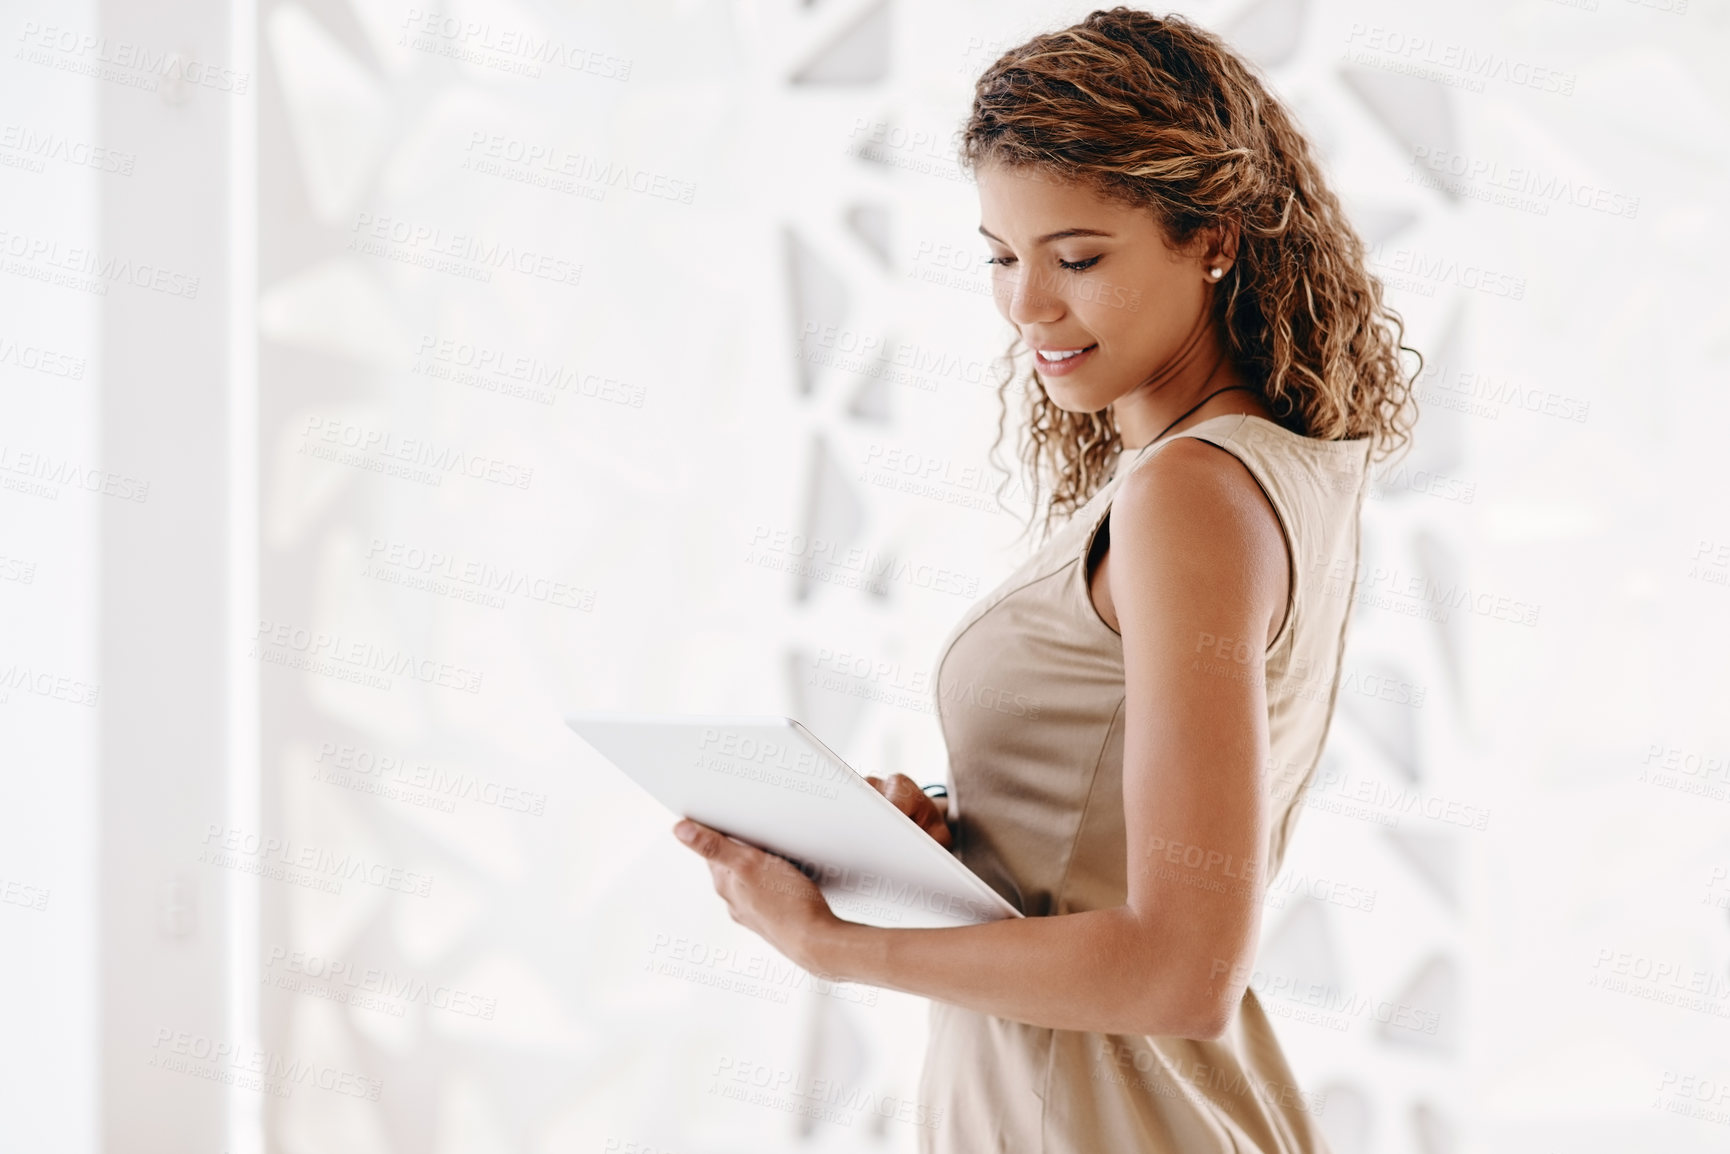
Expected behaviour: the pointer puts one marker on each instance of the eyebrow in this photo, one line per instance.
(1050, 236)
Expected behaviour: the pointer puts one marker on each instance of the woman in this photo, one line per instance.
(1212, 373)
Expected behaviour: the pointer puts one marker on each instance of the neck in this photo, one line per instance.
(1199, 367)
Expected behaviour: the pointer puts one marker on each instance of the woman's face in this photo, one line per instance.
(1072, 270)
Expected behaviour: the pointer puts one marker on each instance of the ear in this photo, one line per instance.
(1217, 246)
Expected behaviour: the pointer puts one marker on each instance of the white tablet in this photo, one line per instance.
(769, 782)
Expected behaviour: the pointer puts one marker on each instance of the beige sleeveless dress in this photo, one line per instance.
(1030, 699)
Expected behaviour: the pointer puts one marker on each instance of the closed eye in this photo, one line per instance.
(1071, 265)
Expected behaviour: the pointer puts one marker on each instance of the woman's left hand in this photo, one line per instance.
(768, 895)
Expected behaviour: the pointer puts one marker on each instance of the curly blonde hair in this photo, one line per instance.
(1159, 113)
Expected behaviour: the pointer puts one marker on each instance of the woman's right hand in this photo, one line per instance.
(931, 814)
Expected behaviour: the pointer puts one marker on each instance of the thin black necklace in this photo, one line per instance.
(1192, 409)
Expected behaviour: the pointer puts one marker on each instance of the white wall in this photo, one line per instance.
(1497, 852)
(50, 381)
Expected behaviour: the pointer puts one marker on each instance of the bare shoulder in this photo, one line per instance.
(1200, 491)
(1193, 520)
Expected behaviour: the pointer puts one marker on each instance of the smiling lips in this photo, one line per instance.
(1057, 362)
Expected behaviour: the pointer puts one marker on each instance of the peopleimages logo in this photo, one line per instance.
(551, 166)
(46, 260)
(434, 248)
(251, 1068)
(315, 649)
(1532, 188)
(354, 767)
(17, 678)
(16, 893)
(746, 1080)
(37, 359)
(503, 48)
(862, 890)
(383, 451)
(285, 968)
(35, 147)
(1421, 272)
(854, 566)
(482, 578)
(123, 62)
(1458, 65)
(518, 374)
(40, 474)
(285, 859)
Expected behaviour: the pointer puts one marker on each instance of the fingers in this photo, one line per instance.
(881, 785)
(903, 791)
(721, 876)
(913, 801)
(712, 844)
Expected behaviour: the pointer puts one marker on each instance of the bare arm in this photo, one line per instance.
(1199, 570)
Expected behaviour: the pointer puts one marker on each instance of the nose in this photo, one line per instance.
(1026, 299)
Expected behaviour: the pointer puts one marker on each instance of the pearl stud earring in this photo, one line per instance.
(1216, 272)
